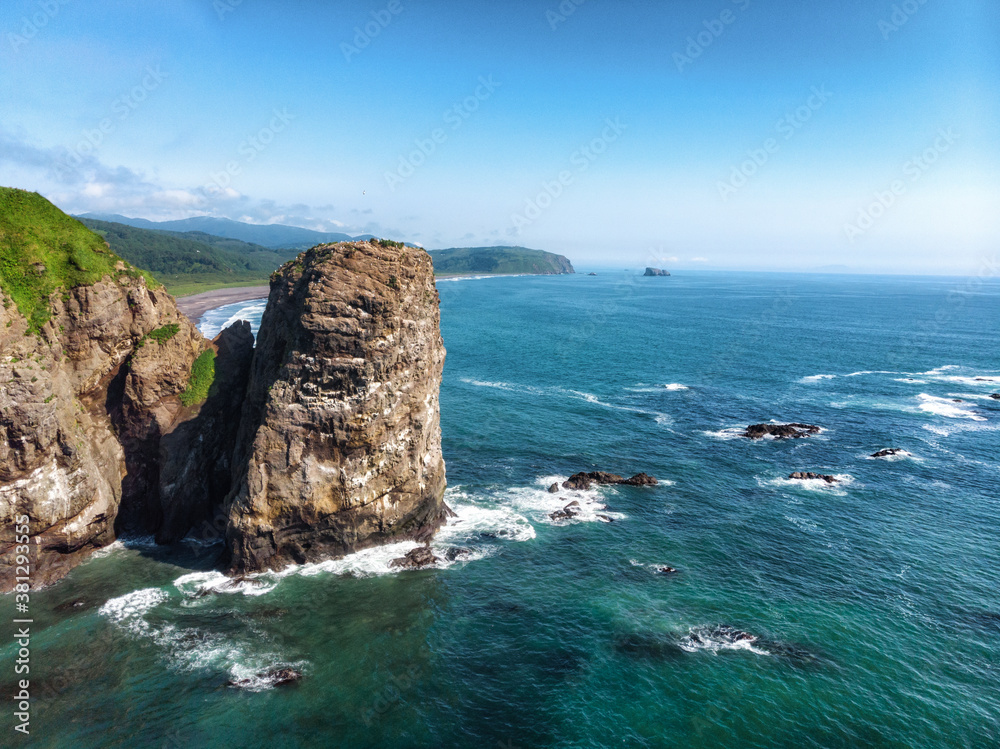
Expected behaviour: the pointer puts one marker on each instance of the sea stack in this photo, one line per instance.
(340, 439)
(656, 272)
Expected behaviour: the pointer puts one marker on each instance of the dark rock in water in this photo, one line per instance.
(569, 511)
(457, 552)
(664, 570)
(422, 556)
(655, 647)
(591, 274)
(802, 476)
(957, 400)
(780, 431)
(656, 272)
(554, 489)
(605, 519)
(995, 396)
(888, 453)
(278, 677)
(236, 582)
(74, 605)
(582, 481)
(640, 479)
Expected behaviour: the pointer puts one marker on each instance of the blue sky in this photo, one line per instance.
(788, 134)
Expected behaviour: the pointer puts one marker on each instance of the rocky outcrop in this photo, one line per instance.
(340, 443)
(583, 481)
(995, 396)
(656, 272)
(780, 431)
(83, 406)
(890, 452)
(422, 556)
(804, 476)
(566, 513)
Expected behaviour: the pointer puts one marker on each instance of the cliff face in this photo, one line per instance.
(116, 415)
(64, 393)
(340, 441)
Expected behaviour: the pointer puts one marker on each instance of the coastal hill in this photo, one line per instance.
(191, 262)
(322, 440)
(275, 236)
(498, 260)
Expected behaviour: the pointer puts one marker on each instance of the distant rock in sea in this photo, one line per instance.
(890, 452)
(656, 272)
(780, 431)
(591, 274)
(995, 396)
(802, 476)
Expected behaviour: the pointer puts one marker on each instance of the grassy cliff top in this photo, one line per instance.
(42, 250)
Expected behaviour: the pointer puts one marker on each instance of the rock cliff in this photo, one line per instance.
(340, 441)
(116, 415)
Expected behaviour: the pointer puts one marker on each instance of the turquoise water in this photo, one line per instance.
(875, 602)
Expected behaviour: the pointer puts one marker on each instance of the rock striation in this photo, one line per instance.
(340, 442)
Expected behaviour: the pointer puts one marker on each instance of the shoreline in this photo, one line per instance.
(196, 305)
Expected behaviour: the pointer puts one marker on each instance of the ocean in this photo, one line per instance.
(864, 613)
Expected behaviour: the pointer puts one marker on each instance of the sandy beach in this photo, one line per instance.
(196, 305)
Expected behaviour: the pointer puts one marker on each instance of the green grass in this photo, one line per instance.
(202, 377)
(187, 285)
(164, 334)
(42, 251)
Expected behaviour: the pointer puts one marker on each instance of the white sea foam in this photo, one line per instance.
(816, 485)
(984, 381)
(128, 611)
(946, 407)
(676, 386)
(729, 433)
(817, 378)
(197, 584)
(212, 323)
(716, 639)
(537, 503)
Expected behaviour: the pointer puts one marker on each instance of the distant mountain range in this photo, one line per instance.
(203, 253)
(275, 236)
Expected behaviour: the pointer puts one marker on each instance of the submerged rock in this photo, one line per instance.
(276, 677)
(802, 476)
(569, 511)
(422, 556)
(457, 552)
(780, 431)
(889, 452)
(664, 570)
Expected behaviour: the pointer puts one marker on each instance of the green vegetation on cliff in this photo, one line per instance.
(42, 251)
(202, 377)
(498, 260)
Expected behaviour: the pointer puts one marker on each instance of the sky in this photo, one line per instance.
(743, 134)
